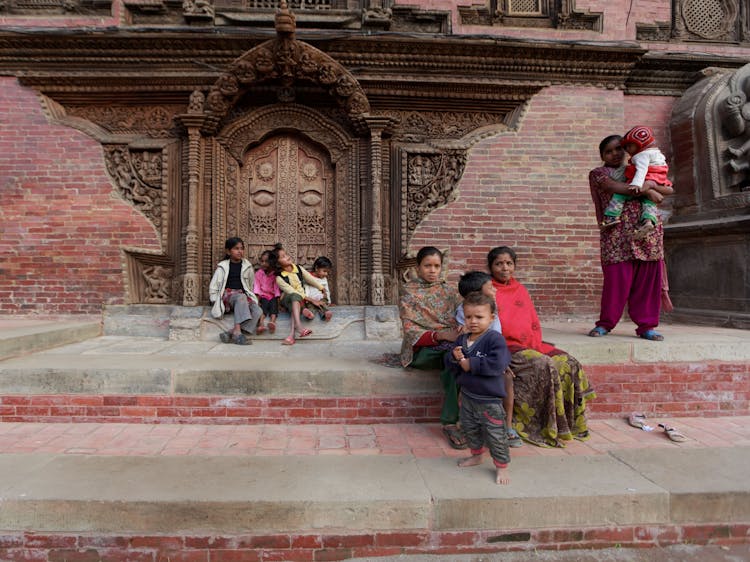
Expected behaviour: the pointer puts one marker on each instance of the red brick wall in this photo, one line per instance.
(62, 225)
(529, 189)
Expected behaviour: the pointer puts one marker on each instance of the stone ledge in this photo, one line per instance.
(73, 494)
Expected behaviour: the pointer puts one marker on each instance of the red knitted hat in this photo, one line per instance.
(640, 136)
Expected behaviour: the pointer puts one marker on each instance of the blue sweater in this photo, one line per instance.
(488, 358)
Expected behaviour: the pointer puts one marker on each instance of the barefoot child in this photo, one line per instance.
(230, 290)
(268, 292)
(291, 279)
(478, 361)
(481, 282)
(647, 162)
(316, 301)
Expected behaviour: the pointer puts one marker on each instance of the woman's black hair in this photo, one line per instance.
(322, 262)
(494, 252)
(605, 142)
(273, 258)
(264, 253)
(231, 243)
(429, 251)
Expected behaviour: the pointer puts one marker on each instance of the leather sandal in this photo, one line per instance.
(652, 335)
(673, 433)
(304, 333)
(598, 332)
(455, 436)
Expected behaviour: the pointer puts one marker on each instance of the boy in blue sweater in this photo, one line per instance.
(478, 361)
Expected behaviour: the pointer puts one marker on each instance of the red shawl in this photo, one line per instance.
(518, 317)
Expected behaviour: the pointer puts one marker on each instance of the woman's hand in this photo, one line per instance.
(654, 196)
(447, 334)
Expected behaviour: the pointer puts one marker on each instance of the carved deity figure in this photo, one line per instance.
(736, 120)
(157, 279)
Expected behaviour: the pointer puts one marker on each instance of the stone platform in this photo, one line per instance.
(345, 373)
(266, 452)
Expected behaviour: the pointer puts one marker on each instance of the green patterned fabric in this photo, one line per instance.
(551, 392)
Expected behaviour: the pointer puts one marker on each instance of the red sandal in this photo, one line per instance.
(288, 341)
(304, 333)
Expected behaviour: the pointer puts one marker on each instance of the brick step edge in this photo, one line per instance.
(682, 389)
(140, 409)
(318, 546)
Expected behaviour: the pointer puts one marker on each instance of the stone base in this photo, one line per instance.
(183, 323)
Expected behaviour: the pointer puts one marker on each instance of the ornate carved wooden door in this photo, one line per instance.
(287, 191)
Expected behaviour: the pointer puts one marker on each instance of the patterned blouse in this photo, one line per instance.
(617, 242)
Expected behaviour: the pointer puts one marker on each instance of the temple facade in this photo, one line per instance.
(137, 135)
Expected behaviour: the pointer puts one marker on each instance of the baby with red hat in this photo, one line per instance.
(647, 162)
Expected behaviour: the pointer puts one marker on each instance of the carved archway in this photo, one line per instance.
(284, 60)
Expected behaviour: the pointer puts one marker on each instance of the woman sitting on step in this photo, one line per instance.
(550, 387)
(428, 314)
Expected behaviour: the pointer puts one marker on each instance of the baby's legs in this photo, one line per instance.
(614, 210)
(649, 218)
(471, 424)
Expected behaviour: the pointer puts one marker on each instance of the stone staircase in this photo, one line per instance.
(313, 503)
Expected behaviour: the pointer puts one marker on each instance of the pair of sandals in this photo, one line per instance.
(289, 340)
(651, 335)
(638, 420)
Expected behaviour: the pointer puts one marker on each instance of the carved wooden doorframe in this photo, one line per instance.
(227, 170)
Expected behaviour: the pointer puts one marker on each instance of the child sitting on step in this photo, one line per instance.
(647, 162)
(268, 292)
(317, 301)
(231, 290)
(291, 279)
(478, 361)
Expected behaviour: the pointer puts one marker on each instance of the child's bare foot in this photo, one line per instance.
(307, 313)
(260, 329)
(501, 477)
(473, 460)
(327, 316)
(272, 327)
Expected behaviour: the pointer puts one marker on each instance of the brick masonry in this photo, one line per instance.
(63, 225)
(322, 546)
(667, 389)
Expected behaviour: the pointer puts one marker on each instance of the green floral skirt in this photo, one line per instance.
(551, 392)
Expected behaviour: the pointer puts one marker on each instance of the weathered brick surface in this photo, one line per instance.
(63, 226)
(529, 189)
(319, 546)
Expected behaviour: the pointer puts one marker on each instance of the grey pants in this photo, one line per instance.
(246, 313)
(484, 422)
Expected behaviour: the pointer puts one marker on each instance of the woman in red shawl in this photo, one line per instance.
(551, 389)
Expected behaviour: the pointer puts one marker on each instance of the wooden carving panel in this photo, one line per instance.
(286, 195)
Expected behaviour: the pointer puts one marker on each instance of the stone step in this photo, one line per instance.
(21, 336)
(696, 371)
(340, 503)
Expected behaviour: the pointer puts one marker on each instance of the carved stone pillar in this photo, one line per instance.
(192, 122)
(377, 126)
